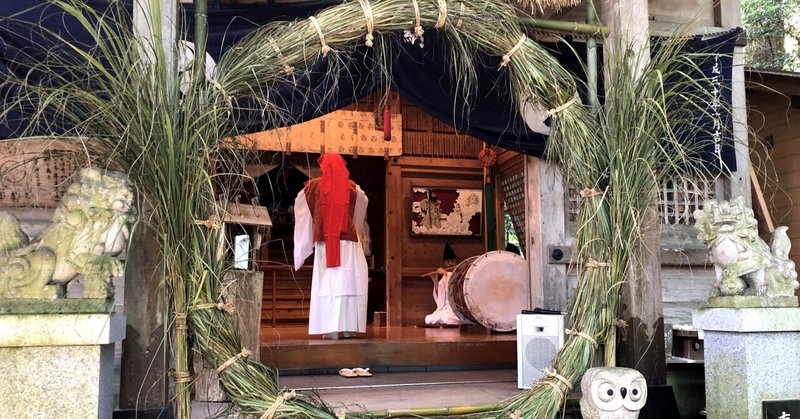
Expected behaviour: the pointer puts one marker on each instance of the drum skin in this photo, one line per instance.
(491, 289)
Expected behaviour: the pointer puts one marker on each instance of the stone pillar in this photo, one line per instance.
(58, 365)
(751, 355)
(144, 386)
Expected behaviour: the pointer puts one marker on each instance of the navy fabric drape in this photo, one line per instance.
(421, 75)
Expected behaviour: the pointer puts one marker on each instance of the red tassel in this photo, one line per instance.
(387, 123)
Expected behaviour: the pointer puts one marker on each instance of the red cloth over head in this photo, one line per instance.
(335, 201)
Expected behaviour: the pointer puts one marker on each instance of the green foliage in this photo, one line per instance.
(769, 23)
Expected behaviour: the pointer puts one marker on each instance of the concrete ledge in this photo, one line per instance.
(27, 330)
(784, 319)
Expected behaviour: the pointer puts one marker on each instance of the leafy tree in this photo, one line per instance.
(769, 24)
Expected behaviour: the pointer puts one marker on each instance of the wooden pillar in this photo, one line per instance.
(545, 227)
(394, 245)
(243, 289)
(731, 17)
(641, 303)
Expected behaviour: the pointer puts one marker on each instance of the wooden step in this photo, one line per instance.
(290, 291)
(289, 313)
(284, 304)
(289, 295)
(411, 348)
(297, 316)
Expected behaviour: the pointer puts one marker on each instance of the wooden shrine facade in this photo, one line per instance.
(423, 153)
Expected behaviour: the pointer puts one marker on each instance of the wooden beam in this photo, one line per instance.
(762, 203)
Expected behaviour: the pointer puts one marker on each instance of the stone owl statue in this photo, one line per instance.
(612, 393)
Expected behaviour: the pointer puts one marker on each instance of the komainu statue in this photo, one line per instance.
(89, 229)
(745, 266)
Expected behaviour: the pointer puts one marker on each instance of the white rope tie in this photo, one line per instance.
(591, 263)
(212, 223)
(589, 192)
(225, 97)
(442, 14)
(244, 354)
(286, 67)
(417, 20)
(227, 307)
(573, 332)
(462, 10)
(283, 398)
(552, 373)
(325, 48)
(367, 8)
(552, 112)
(509, 54)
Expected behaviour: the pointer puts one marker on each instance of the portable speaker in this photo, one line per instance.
(539, 338)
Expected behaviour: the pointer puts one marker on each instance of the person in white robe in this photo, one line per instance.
(338, 301)
(444, 313)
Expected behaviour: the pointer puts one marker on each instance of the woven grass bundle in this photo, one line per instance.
(131, 113)
(555, 5)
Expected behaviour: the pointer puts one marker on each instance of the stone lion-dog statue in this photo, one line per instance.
(89, 229)
(744, 264)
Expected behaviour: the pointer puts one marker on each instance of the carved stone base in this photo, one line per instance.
(752, 301)
(60, 306)
(58, 365)
(751, 356)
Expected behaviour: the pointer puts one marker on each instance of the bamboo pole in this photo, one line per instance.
(591, 59)
(200, 35)
(449, 410)
(563, 26)
(433, 411)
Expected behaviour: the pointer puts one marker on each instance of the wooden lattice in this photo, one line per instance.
(678, 199)
(514, 201)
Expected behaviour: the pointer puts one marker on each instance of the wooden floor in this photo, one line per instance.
(291, 349)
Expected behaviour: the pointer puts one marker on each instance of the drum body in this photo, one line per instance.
(490, 289)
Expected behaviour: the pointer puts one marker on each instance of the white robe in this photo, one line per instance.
(444, 313)
(338, 295)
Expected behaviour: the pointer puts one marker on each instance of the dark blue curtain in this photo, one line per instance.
(421, 75)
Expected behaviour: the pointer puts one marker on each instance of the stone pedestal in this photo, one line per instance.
(751, 355)
(58, 365)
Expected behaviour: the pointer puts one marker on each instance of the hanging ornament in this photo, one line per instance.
(387, 123)
(487, 157)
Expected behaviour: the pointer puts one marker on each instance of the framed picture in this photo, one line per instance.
(446, 211)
